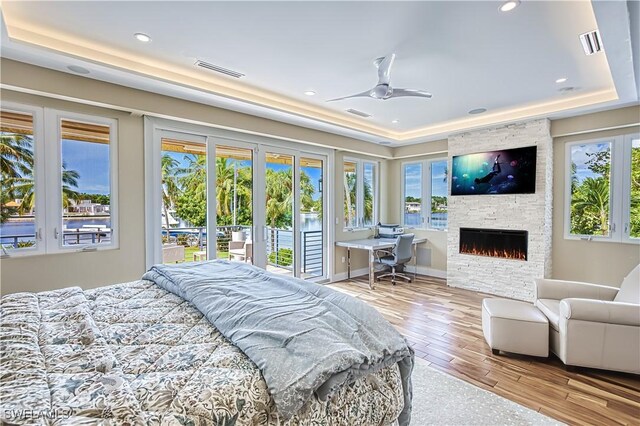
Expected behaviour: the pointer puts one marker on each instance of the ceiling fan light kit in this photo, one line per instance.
(383, 89)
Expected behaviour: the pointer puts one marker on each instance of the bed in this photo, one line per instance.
(136, 353)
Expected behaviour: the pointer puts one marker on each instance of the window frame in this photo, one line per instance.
(48, 179)
(619, 191)
(39, 178)
(425, 192)
(627, 147)
(360, 164)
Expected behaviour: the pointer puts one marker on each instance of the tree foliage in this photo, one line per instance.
(590, 198)
(186, 192)
(17, 174)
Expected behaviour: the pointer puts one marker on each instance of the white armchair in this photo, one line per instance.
(593, 325)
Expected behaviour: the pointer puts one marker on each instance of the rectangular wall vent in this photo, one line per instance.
(218, 69)
(591, 42)
(358, 113)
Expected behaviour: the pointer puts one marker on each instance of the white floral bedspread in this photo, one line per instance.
(135, 354)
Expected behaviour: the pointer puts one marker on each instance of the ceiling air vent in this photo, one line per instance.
(591, 42)
(221, 70)
(358, 113)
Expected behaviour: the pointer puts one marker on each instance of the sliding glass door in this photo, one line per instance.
(279, 207)
(183, 169)
(234, 202)
(312, 217)
(219, 198)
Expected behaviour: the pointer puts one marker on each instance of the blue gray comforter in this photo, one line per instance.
(303, 337)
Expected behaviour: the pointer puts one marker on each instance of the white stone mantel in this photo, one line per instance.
(528, 212)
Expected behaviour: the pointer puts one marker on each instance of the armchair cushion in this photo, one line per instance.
(630, 288)
(560, 289)
(551, 309)
(601, 311)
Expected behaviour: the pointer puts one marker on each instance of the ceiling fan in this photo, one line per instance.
(383, 90)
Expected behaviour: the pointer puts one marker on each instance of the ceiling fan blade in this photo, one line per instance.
(398, 93)
(366, 94)
(384, 68)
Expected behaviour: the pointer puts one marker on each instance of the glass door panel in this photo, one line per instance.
(184, 201)
(234, 203)
(86, 189)
(311, 218)
(279, 212)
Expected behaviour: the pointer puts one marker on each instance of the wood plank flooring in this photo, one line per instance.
(443, 325)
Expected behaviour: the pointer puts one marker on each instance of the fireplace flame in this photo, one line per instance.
(504, 253)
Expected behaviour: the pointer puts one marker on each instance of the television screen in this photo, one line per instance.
(510, 171)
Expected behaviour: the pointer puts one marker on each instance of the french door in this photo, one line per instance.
(292, 212)
(222, 198)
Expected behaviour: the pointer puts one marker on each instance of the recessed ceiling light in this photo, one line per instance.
(142, 37)
(510, 5)
(309, 92)
(78, 69)
(561, 80)
(478, 111)
(568, 89)
(396, 121)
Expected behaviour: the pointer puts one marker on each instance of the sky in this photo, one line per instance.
(413, 182)
(579, 157)
(91, 161)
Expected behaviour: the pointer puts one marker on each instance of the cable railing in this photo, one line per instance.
(279, 244)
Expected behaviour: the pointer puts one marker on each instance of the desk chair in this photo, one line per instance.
(400, 255)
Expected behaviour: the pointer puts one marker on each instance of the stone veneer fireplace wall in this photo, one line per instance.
(528, 212)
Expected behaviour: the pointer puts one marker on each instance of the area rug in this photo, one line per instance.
(441, 399)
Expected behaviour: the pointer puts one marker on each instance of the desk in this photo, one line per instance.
(372, 245)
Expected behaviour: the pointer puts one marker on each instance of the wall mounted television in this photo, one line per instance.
(509, 171)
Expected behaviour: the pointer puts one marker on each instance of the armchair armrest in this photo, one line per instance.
(600, 311)
(236, 245)
(560, 289)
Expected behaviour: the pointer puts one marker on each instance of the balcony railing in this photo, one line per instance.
(69, 237)
(279, 244)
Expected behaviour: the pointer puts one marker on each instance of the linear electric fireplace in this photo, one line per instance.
(494, 243)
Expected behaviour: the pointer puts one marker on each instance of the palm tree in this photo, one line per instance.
(16, 155)
(224, 188)
(24, 186)
(592, 199)
(350, 197)
(170, 190)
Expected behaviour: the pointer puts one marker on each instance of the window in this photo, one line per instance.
(603, 189)
(360, 193)
(58, 181)
(631, 199)
(368, 191)
(84, 185)
(20, 218)
(424, 188)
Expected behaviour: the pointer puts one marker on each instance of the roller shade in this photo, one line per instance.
(85, 132)
(15, 122)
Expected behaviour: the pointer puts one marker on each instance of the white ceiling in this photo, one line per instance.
(467, 54)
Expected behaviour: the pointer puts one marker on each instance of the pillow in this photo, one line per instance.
(630, 288)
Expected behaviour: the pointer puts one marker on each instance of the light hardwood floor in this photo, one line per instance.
(443, 325)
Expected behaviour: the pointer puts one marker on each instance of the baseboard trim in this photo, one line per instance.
(422, 270)
(354, 273)
(425, 270)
